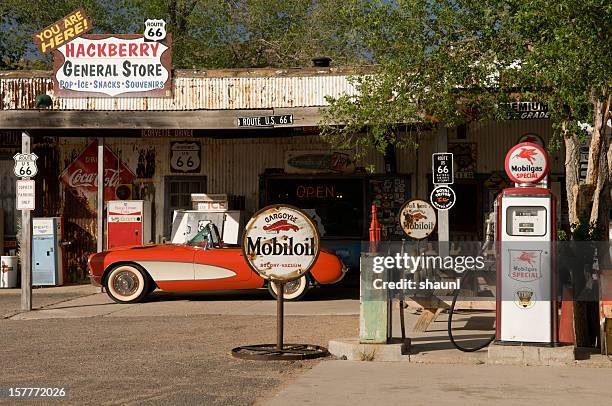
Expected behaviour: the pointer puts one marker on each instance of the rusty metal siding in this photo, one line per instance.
(190, 93)
(231, 166)
(494, 139)
(234, 165)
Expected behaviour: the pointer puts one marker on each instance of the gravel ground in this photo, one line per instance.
(154, 360)
(10, 299)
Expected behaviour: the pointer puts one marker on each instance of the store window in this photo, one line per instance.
(335, 203)
(178, 190)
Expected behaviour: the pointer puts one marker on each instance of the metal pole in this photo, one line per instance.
(100, 200)
(26, 242)
(401, 302)
(280, 314)
(443, 222)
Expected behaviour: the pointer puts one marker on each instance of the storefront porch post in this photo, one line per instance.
(26, 241)
(100, 200)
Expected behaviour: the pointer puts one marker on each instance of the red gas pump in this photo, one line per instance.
(527, 308)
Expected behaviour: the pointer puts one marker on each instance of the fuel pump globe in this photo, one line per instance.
(526, 163)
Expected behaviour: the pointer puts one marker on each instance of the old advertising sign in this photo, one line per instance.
(63, 31)
(25, 165)
(525, 298)
(281, 243)
(525, 265)
(443, 198)
(123, 65)
(265, 121)
(81, 176)
(526, 163)
(442, 168)
(417, 218)
(25, 191)
(529, 110)
(319, 161)
(185, 157)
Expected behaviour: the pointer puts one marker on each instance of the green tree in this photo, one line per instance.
(448, 62)
(206, 33)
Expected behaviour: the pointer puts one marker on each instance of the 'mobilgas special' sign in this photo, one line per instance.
(281, 243)
(113, 65)
(526, 163)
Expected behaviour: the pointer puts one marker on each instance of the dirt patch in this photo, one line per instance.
(155, 360)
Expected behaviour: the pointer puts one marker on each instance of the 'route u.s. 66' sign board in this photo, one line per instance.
(281, 243)
(442, 168)
(25, 165)
(526, 163)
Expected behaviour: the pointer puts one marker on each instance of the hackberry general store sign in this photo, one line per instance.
(125, 65)
(281, 243)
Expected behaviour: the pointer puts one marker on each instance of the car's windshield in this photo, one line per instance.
(208, 236)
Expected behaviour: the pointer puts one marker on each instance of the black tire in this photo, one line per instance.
(294, 290)
(127, 283)
(152, 286)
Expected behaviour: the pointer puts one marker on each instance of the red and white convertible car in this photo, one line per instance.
(131, 273)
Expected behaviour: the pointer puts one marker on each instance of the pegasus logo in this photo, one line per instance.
(527, 153)
(528, 257)
(419, 215)
(281, 225)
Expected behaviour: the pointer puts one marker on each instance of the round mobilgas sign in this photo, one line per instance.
(526, 163)
(281, 243)
(417, 219)
(442, 198)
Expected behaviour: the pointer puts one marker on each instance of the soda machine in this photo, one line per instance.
(128, 223)
(47, 258)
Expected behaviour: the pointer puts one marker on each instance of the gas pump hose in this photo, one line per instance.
(451, 311)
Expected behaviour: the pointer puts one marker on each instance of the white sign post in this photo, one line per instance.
(25, 192)
(25, 168)
(25, 165)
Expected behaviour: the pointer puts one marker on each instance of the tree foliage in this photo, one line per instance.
(206, 33)
(454, 61)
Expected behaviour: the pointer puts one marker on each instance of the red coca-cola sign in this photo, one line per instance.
(82, 175)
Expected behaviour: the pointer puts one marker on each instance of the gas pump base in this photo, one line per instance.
(351, 349)
(519, 354)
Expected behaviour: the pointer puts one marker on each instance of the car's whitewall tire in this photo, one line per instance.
(127, 284)
(294, 290)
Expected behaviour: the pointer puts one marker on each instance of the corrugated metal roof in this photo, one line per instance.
(195, 90)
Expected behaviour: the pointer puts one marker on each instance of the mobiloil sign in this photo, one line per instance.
(281, 242)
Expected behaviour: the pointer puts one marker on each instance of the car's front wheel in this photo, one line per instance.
(127, 283)
(294, 290)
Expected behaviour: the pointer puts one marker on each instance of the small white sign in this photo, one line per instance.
(417, 218)
(185, 157)
(25, 165)
(25, 191)
(442, 168)
(155, 30)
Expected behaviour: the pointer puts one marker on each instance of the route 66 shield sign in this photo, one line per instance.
(185, 157)
(155, 30)
(25, 165)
